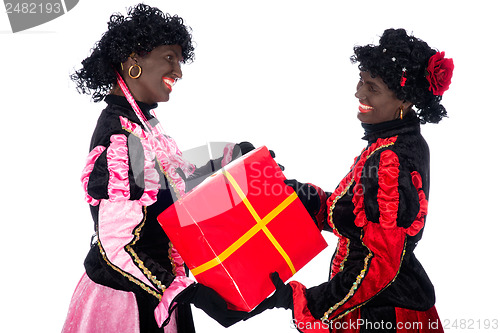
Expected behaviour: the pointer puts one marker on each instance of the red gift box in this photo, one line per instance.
(241, 224)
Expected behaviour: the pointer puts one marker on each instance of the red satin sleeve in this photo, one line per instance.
(381, 266)
(303, 320)
(388, 195)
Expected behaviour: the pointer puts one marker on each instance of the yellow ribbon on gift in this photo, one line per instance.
(261, 225)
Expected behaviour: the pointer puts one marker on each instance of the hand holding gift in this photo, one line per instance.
(239, 226)
(211, 303)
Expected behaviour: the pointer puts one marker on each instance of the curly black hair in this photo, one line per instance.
(140, 32)
(398, 50)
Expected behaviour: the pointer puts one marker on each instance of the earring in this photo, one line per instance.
(401, 112)
(130, 71)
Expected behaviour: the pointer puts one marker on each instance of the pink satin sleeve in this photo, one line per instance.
(117, 222)
(89, 166)
(178, 262)
(117, 155)
(179, 284)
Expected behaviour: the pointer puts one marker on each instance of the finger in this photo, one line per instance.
(275, 278)
(246, 147)
(292, 183)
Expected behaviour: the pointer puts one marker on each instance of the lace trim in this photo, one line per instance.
(157, 146)
(151, 176)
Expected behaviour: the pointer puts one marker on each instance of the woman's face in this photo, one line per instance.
(159, 70)
(377, 102)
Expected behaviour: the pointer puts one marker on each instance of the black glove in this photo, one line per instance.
(211, 303)
(308, 195)
(282, 297)
(283, 294)
(244, 147)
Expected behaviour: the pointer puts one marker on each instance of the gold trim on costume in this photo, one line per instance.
(127, 275)
(136, 258)
(367, 259)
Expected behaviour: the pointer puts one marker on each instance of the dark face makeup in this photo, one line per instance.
(377, 103)
(160, 68)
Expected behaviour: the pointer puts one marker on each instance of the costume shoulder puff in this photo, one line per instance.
(392, 194)
(123, 170)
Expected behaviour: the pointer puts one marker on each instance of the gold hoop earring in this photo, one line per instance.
(401, 112)
(130, 71)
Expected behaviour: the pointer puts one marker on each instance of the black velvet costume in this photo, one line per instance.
(378, 212)
(150, 249)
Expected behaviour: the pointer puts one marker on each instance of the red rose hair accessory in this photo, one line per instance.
(440, 71)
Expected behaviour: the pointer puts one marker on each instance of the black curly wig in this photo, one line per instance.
(397, 50)
(144, 29)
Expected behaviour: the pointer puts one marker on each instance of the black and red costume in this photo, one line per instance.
(378, 211)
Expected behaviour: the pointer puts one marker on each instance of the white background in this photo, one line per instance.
(275, 73)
